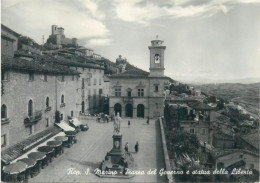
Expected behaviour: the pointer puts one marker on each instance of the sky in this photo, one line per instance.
(206, 40)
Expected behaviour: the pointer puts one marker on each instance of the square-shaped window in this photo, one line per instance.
(129, 94)
(4, 75)
(47, 122)
(31, 76)
(117, 92)
(3, 140)
(192, 130)
(89, 82)
(156, 88)
(45, 77)
(140, 92)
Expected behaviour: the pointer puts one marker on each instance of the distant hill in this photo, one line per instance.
(206, 80)
(246, 95)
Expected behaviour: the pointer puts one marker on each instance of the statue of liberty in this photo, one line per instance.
(117, 122)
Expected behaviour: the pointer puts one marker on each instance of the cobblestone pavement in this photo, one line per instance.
(93, 145)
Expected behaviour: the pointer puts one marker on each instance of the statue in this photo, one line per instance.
(117, 122)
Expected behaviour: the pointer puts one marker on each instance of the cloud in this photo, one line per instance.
(143, 12)
(80, 18)
(99, 42)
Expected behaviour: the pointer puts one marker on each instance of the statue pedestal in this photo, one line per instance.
(117, 160)
(117, 151)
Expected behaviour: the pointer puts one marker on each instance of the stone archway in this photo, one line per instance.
(140, 111)
(118, 109)
(129, 110)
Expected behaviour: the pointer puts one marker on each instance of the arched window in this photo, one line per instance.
(3, 111)
(30, 108)
(62, 99)
(47, 102)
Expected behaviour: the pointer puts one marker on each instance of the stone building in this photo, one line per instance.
(197, 118)
(9, 41)
(36, 89)
(137, 93)
(31, 94)
(57, 37)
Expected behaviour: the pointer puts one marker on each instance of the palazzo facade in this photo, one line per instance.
(137, 93)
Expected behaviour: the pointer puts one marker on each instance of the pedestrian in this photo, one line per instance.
(128, 123)
(136, 146)
(126, 147)
(147, 121)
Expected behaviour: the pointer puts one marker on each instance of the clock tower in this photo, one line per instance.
(156, 58)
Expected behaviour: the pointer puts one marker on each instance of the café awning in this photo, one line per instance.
(64, 126)
(15, 168)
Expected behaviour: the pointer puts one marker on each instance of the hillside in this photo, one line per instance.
(246, 95)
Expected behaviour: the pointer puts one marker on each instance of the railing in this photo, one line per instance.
(62, 105)
(128, 100)
(30, 120)
(5, 121)
(47, 109)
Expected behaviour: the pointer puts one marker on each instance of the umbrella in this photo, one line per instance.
(29, 161)
(70, 133)
(54, 143)
(15, 168)
(45, 149)
(61, 138)
(37, 155)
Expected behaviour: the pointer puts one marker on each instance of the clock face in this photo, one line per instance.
(116, 143)
(157, 58)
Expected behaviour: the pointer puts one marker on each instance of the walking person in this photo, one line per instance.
(147, 121)
(126, 147)
(136, 146)
(128, 123)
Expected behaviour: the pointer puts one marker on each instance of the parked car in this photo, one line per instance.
(84, 127)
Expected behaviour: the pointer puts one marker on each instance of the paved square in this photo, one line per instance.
(93, 145)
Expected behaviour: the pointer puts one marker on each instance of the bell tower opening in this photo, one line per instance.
(157, 57)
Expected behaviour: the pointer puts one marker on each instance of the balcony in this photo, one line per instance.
(62, 105)
(31, 120)
(5, 121)
(128, 100)
(47, 109)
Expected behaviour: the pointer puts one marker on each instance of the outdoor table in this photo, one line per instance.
(64, 141)
(71, 135)
(56, 145)
(12, 171)
(30, 164)
(48, 151)
(39, 157)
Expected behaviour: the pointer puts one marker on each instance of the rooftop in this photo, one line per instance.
(252, 139)
(39, 64)
(9, 30)
(200, 106)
